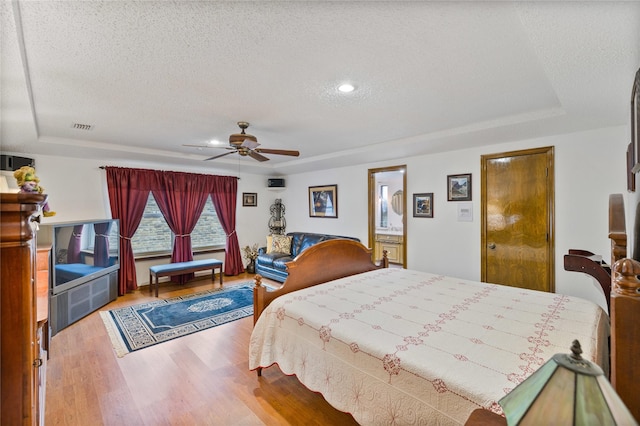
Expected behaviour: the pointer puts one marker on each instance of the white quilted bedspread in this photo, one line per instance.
(396, 346)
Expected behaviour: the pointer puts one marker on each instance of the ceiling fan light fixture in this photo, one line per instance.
(346, 88)
(245, 145)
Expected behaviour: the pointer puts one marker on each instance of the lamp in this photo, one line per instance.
(566, 390)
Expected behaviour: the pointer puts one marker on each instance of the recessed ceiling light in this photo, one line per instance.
(214, 142)
(346, 88)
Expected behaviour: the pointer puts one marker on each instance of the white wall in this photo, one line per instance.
(588, 167)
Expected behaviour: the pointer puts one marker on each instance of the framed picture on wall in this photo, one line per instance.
(249, 199)
(635, 120)
(423, 205)
(631, 177)
(459, 187)
(323, 201)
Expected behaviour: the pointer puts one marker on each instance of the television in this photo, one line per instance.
(83, 267)
(81, 251)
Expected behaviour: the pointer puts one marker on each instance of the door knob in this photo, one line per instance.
(492, 246)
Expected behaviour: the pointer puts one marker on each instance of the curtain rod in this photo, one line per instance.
(237, 177)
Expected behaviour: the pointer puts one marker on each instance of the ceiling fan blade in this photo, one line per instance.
(279, 152)
(221, 155)
(208, 146)
(251, 144)
(256, 156)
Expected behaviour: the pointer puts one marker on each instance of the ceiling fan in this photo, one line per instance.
(246, 144)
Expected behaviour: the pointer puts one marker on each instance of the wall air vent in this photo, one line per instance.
(82, 126)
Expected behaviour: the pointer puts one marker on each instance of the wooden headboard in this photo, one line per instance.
(320, 263)
(625, 311)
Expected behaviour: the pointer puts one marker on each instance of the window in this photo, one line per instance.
(154, 236)
(89, 237)
(208, 231)
(384, 208)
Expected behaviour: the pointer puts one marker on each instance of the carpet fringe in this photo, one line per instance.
(118, 344)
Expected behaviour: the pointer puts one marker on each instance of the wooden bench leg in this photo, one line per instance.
(213, 274)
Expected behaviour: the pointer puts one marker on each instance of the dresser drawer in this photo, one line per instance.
(386, 238)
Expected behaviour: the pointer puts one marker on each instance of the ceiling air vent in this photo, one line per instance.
(82, 126)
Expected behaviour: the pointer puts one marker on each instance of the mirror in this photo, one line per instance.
(397, 202)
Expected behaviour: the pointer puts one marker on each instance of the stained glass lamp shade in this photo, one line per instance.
(566, 390)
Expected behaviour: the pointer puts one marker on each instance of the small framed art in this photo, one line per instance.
(423, 205)
(459, 187)
(323, 201)
(249, 199)
(631, 177)
(635, 121)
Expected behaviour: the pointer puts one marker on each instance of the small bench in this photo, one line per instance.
(180, 268)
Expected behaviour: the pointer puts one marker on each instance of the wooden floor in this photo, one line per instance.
(199, 379)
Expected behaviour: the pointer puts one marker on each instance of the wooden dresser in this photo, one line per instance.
(22, 327)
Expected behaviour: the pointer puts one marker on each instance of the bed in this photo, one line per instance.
(409, 347)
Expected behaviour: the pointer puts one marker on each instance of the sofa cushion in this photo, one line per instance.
(269, 243)
(281, 262)
(267, 259)
(281, 244)
(309, 240)
(303, 241)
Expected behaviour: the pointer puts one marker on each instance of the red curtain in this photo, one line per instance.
(73, 249)
(101, 244)
(128, 193)
(224, 192)
(181, 199)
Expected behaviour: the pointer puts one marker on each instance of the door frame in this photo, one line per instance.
(549, 151)
(372, 207)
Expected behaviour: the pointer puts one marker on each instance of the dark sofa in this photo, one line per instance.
(273, 265)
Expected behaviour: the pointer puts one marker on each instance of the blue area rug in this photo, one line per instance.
(140, 326)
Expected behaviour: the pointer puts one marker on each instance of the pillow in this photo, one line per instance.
(281, 244)
(269, 242)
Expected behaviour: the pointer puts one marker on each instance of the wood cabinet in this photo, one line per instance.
(22, 329)
(393, 244)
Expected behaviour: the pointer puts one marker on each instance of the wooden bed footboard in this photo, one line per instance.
(625, 333)
(624, 310)
(320, 263)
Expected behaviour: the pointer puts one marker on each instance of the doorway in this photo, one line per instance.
(517, 209)
(387, 213)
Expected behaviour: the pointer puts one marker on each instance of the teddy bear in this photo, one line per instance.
(30, 183)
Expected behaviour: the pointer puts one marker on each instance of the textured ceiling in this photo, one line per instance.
(150, 76)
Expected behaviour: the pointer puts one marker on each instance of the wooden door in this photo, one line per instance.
(517, 219)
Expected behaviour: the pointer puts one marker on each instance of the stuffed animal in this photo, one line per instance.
(30, 183)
